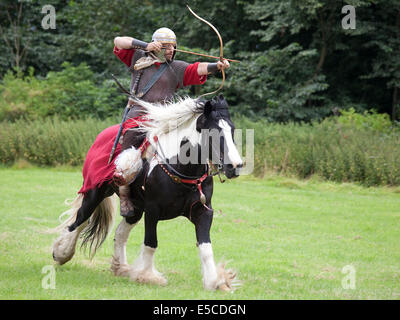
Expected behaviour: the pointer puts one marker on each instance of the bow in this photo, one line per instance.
(221, 54)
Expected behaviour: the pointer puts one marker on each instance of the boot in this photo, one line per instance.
(126, 206)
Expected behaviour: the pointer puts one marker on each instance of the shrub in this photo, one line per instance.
(50, 141)
(70, 94)
(368, 120)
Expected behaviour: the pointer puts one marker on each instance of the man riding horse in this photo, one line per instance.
(162, 188)
(156, 75)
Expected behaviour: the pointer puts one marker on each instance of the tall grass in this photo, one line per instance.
(50, 141)
(337, 149)
(332, 149)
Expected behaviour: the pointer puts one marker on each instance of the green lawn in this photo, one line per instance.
(288, 239)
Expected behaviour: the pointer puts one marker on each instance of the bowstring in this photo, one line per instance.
(166, 61)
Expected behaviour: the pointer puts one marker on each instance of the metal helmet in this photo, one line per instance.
(164, 35)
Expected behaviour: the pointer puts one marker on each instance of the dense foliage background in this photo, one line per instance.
(298, 63)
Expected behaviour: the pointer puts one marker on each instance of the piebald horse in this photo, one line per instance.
(186, 138)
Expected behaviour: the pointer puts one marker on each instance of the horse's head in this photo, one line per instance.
(217, 130)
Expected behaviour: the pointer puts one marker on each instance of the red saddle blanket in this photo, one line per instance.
(96, 169)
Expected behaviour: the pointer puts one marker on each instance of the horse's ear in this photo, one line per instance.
(221, 101)
(207, 108)
(200, 124)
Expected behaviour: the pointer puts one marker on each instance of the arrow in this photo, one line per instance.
(204, 55)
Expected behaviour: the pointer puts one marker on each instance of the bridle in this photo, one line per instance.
(211, 169)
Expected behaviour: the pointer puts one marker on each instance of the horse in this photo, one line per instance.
(175, 180)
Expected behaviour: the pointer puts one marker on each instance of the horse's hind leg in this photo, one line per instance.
(119, 264)
(82, 209)
(90, 202)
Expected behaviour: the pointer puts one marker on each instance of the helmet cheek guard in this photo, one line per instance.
(173, 55)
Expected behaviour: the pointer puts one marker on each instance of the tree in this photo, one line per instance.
(14, 33)
(385, 26)
(340, 59)
(27, 43)
(298, 63)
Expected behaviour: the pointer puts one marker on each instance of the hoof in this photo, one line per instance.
(228, 281)
(64, 246)
(148, 277)
(62, 260)
(118, 269)
(224, 287)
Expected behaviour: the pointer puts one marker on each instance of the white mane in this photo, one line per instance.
(171, 123)
(164, 118)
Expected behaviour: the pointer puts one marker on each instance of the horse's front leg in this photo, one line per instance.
(143, 269)
(214, 277)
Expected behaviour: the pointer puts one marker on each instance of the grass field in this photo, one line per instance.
(288, 239)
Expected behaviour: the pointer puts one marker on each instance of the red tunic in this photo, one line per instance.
(190, 77)
(96, 169)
